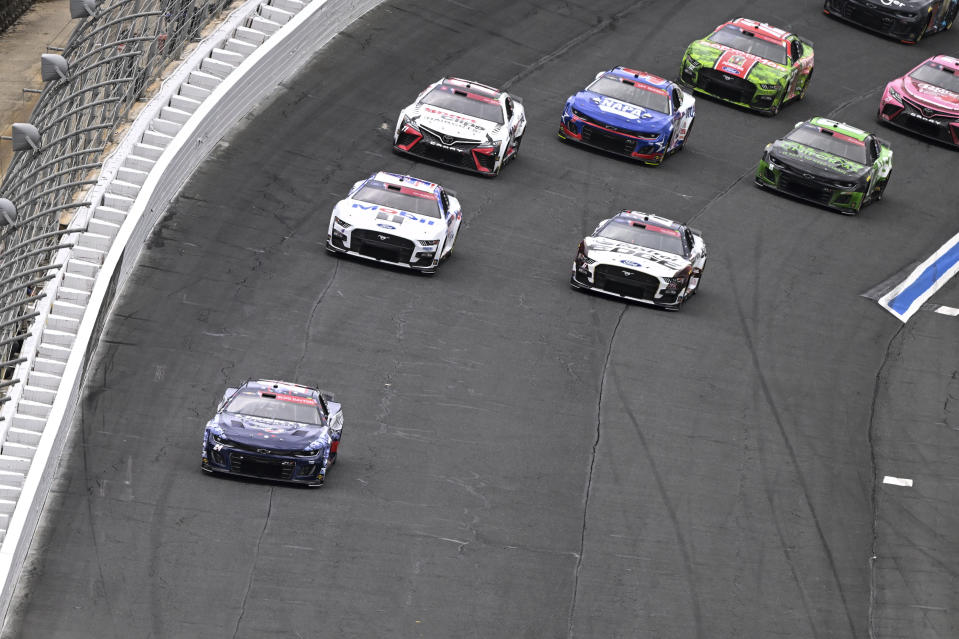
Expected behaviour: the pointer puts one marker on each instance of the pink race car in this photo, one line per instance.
(925, 100)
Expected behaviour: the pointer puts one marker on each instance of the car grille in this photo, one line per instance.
(624, 281)
(449, 140)
(381, 246)
(804, 187)
(607, 141)
(926, 121)
(735, 89)
(617, 129)
(263, 450)
(261, 466)
(446, 149)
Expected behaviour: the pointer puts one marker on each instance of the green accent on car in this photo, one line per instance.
(770, 80)
(819, 158)
(826, 178)
(840, 127)
(840, 199)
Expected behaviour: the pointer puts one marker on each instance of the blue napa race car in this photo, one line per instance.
(274, 430)
(630, 113)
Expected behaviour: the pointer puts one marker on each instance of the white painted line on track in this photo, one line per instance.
(948, 310)
(896, 481)
(927, 278)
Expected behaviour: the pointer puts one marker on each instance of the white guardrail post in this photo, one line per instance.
(258, 46)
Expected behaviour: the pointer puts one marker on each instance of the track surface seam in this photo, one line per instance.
(592, 465)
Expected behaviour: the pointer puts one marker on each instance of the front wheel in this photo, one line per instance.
(805, 86)
(516, 144)
(774, 109)
(682, 145)
(882, 187)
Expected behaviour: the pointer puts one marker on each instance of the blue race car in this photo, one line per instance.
(274, 430)
(630, 113)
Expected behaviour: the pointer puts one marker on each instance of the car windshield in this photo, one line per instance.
(936, 75)
(829, 141)
(626, 91)
(287, 408)
(461, 101)
(399, 197)
(736, 38)
(643, 234)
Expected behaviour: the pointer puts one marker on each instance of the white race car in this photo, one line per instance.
(463, 124)
(396, 219)
(641, 257)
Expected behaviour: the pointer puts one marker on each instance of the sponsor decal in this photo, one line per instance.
(394, 213)
(460, 121)
(932, 91)
(651, 255)
(623, 109)
(736, 63)
(819, 158)
(296, 399)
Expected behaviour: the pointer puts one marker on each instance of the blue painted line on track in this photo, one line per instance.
(926, 280)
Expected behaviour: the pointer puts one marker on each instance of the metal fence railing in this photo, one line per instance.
(113, 56)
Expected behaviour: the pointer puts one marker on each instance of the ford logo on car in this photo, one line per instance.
(386, 226)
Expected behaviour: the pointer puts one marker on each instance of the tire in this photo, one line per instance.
(516, 144)
(686, 139)
(882, 188)
(774, 109)
(700, 282)
(951, 18)
(805, 86)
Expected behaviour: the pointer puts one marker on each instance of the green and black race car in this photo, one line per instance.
(750, 64)
(829, 163)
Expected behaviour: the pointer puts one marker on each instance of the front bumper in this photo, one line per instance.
(639, 287)
(394, 250)
(793, 183)
(729, 88)
(310, 471)
(476, 158)
(913, 117)
(905, 26)
(595, 134)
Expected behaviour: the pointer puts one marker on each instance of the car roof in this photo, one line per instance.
(474, 87)
(946, 61)
(762, 29)
(276, 386)
(650, 219)
(839, 127)
(640, 77)
(407, 181)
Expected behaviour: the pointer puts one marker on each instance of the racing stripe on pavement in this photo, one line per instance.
(927, 278)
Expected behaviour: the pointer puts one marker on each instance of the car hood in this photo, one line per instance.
(930, 94)
(457, 125)
(815, 162)
(395, 221)
(648, 260)
(736, 63)
(270, 434)
(622, 115)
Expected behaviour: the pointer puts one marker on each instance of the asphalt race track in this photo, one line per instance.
(521, 459)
